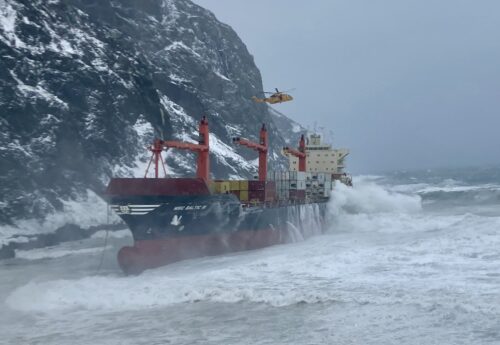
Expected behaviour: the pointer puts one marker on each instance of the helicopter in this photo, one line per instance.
(275, 97)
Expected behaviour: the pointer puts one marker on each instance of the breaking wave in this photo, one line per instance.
(367, 197)
(55, 252)
(380, 239)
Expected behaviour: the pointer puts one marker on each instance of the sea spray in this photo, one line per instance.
(367, 197)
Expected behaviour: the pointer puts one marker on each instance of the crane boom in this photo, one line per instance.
(300, 153)
(261, 147)
(202, 148)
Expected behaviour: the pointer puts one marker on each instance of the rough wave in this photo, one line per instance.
(383, 248)
(55, 252)
(368, 197)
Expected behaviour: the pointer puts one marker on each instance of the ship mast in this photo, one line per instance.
(300, 153)
(202, 149)
(261, 147)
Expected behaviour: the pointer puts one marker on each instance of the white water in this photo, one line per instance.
(389, 271)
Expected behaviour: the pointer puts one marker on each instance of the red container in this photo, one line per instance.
(259, 195)
(297, 194)
(256, 185)
(270, 190)
(270, 185)
(157, 186)
(271, 195)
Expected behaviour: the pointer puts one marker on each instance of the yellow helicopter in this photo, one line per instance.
(276, 97)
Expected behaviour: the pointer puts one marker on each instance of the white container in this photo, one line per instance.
(301, 175)
(283, 195)
(328, 185)
(321, 177)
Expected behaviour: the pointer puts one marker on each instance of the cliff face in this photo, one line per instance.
(86, 84)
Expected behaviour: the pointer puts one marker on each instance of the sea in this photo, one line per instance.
(410, 257)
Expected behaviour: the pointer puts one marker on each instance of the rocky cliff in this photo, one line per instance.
(86, 84)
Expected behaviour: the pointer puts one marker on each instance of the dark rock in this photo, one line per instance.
(78, 77)
(67, 233)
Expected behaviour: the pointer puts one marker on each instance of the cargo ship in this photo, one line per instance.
(173, 219)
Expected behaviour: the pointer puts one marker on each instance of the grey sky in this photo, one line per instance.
(403, 84)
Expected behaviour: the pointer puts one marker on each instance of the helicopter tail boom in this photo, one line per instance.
(258, 100)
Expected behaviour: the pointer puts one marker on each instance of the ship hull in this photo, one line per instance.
(159, 240)
(168, 226)
(147, 254)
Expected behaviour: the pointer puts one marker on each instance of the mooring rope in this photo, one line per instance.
(101, 261)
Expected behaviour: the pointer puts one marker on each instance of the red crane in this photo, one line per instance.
(300, 153)
(261, 147)
(202, 149)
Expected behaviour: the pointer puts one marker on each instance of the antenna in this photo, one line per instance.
(329, 137)
(321, 130)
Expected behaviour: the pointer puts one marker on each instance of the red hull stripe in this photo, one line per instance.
(155, 253)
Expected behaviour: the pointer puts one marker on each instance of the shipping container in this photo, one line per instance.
(271, 195)
(244, 195)
(297, 194)
(256, 185)
(297, 184)
(283, 195)
(234, 185)
(256, 195)
(221, 187)
(286, 184)
(328, 185)
(244, 185)
(270, 185)
(301, 175)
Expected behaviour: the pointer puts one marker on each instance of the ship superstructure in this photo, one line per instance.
(178, 218)
(321, 157)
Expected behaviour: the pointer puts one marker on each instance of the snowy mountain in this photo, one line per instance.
(289, 130)
(85, 85)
